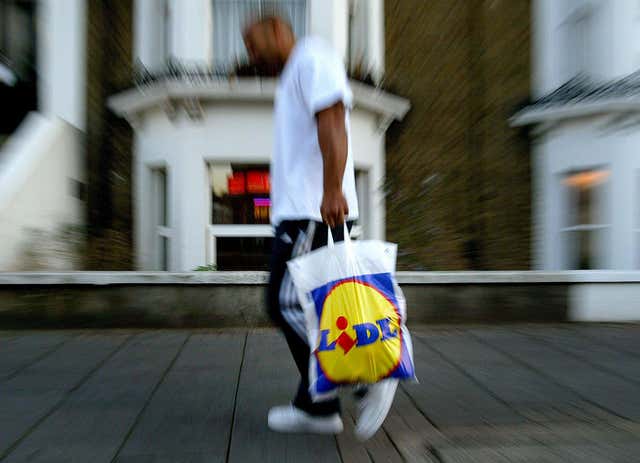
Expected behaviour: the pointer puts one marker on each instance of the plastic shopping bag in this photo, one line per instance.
(355, 315)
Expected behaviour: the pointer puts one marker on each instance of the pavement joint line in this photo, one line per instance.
(485, 388)
(64, 398)
(552, 433)
(470, 377)
(235, 398)
(393, 443)
(335, 439)
(604, 342)
(422, 412)
(433, 453)
(554, 345)
(150, 397)
(369, 455)
(53, 349)
(548, 377)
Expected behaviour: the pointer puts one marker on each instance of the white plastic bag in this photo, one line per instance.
(355, 314)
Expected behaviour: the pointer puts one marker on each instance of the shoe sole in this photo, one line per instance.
(307, 429)
(325, 426)
(365, 433)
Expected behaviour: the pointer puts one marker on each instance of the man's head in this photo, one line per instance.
(269, 40)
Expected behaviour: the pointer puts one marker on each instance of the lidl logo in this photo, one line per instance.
(360, 337)
(365, 334)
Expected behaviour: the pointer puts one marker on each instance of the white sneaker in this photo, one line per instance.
(288, 418)
(374, 407)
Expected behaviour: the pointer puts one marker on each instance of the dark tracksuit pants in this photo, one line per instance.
(292, 239)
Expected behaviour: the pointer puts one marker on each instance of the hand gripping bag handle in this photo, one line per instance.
(347, 238)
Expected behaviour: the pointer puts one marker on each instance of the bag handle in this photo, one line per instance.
(347, 237)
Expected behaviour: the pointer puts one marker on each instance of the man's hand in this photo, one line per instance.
(334, 208)
(332, 137)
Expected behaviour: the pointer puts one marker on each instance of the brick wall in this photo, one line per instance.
(458, 177)
(109, 138)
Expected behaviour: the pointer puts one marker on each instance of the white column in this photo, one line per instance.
(149, 35)
(377, 217)
(621, 36)
(62, 40)
(548, 208)
(547, 46)
(192, 31)
(330, 19)
(142, 209)
(622, 206)
(376, 42)
(192, 214)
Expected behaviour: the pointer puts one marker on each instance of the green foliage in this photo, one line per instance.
(205, 268)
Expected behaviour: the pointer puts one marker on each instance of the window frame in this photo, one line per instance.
(602, 212)
(161, 229)
(215, 231)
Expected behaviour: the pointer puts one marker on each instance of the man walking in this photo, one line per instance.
(312, 187)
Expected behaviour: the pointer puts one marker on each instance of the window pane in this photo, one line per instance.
(162, 196)
(229, 16)
(584, 196)
(164, 253)
(586, 249)
(243, 253)
(240, 194)
(584, 207)
(160, 193)
(18, 38)
(582, 245)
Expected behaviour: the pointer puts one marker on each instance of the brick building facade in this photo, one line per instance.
(108, 137)
(458, 177)
(458, 186)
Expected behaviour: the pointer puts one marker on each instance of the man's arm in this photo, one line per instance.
(332, 136)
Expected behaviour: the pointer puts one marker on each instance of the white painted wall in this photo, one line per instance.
(604, 302)
(366, 37)
(240, 133)
(625, 34)
(614, 40)
(376, 39)
(368, 145)
(179, 29)
(546, 62)
(191, 31)
(580, 145)
(330, 19)
(149, 35)
(36, 168)
(62, 32)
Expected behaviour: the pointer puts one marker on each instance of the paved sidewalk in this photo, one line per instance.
(522, 393)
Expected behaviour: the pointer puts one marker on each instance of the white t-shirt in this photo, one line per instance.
(313, 79)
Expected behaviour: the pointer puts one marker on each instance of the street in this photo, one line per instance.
(505, 393)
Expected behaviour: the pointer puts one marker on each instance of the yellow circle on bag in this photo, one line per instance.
(360, 336)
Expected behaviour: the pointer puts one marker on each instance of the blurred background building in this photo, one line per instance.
(203, 126)
(43, 118)
(134, 136)
(585, 134)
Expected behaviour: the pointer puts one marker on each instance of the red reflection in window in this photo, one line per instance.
(236, 183)
(257, 182)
